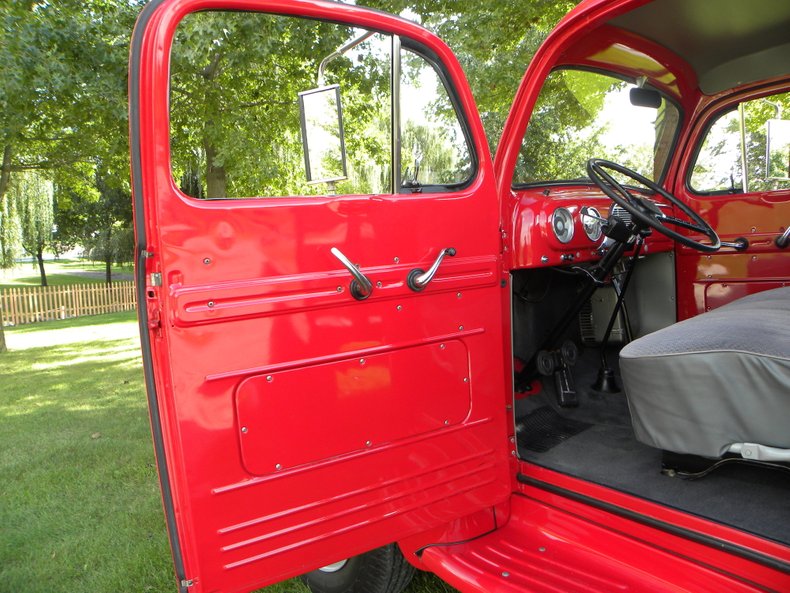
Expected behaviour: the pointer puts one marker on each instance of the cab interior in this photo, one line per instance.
(683, 92)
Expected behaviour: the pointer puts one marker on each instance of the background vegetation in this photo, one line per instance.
(81, 508)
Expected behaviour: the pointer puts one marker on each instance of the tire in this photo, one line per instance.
(383, 570)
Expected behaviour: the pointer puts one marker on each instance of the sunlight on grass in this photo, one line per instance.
(81, 509)
(61, 272)
(74, 331)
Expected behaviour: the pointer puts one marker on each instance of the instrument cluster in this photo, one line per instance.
(565, 227)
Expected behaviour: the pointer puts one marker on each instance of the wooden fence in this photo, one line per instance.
(32, 304)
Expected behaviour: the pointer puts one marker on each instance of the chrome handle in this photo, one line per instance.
(419, 279)
(740, 244)
(361, 286)
(784, 239)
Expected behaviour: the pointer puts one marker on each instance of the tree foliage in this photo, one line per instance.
(494, 42)
(33, 195)
(63, 98)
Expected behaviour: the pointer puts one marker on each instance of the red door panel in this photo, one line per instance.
(277, 413)
(295, 425)
(707, 281)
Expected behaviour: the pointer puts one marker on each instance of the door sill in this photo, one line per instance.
(546, 548)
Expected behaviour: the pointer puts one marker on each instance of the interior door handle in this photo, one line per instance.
(361, 286)
(784, 239)
(419, 279)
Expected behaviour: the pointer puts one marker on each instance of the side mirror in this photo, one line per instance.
(777, 149)
(322, 135)
(645, 98)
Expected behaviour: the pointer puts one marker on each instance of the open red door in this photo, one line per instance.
(300, 415)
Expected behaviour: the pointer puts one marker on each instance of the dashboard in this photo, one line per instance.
(550, 227)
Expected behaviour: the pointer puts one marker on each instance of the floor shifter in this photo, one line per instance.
(558, 363)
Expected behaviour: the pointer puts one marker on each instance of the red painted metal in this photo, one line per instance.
(552, 545)
(270, 483)
(532, 243)
(669, 516)
(287, 452)
(708, 281)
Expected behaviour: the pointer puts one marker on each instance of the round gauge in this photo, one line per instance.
(592, 223)
(562, 223)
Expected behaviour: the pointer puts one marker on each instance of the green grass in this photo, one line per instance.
(79, 501)
(59, 273)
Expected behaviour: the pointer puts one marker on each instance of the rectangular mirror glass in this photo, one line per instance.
(322, 135)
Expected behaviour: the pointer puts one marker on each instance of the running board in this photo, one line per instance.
(543, 549)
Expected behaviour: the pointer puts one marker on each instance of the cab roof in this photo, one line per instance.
(727, 43)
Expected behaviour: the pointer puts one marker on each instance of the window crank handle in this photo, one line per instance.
(419, 279)
(361, 286)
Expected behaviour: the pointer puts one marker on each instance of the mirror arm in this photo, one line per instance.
(339, 52)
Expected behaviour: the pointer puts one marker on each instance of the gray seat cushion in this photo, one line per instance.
(720, 378)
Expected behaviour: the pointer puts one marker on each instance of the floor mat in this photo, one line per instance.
(544, 428)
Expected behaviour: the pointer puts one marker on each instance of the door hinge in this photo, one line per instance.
(154, 320)
(502, 240)
(155, 279)
(187, 583)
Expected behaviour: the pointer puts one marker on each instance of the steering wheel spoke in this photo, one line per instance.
(646, 213)
(664, 219)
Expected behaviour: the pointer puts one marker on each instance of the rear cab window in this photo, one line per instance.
(754, 134)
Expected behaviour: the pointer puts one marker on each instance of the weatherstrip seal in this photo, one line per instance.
(140, 256)
(700, 538)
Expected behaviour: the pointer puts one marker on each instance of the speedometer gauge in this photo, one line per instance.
(591, 221)
(562, 223)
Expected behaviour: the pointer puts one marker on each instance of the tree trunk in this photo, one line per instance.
(5, 176)
(5, 171)
(216, 178)
(108, 253)
(108, 269)
(41, 270)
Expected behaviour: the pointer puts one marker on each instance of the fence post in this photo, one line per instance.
(32, 304)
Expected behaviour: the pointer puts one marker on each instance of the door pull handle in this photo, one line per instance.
(783, 240)
(419, 279)
(361, 286)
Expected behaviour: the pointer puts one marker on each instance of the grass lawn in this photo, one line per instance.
(79, 500)
(60, 272)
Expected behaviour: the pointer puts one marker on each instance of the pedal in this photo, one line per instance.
(558, 363)
(566, 388)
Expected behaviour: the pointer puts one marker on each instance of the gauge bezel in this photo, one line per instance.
(597, 225)
(570, 224)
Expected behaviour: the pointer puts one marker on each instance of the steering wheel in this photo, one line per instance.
(646, 211)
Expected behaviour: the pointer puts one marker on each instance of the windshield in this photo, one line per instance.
(582, 114)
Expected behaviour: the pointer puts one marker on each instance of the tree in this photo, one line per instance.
(33, 196)
(10, 233)
(494, 42)
(107, 225)
(234, 112)
(62, 100)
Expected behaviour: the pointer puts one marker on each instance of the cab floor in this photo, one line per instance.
(601, 448)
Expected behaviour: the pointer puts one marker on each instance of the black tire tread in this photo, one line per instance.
(383, 570)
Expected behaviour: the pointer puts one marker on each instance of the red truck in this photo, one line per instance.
(370, 347)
